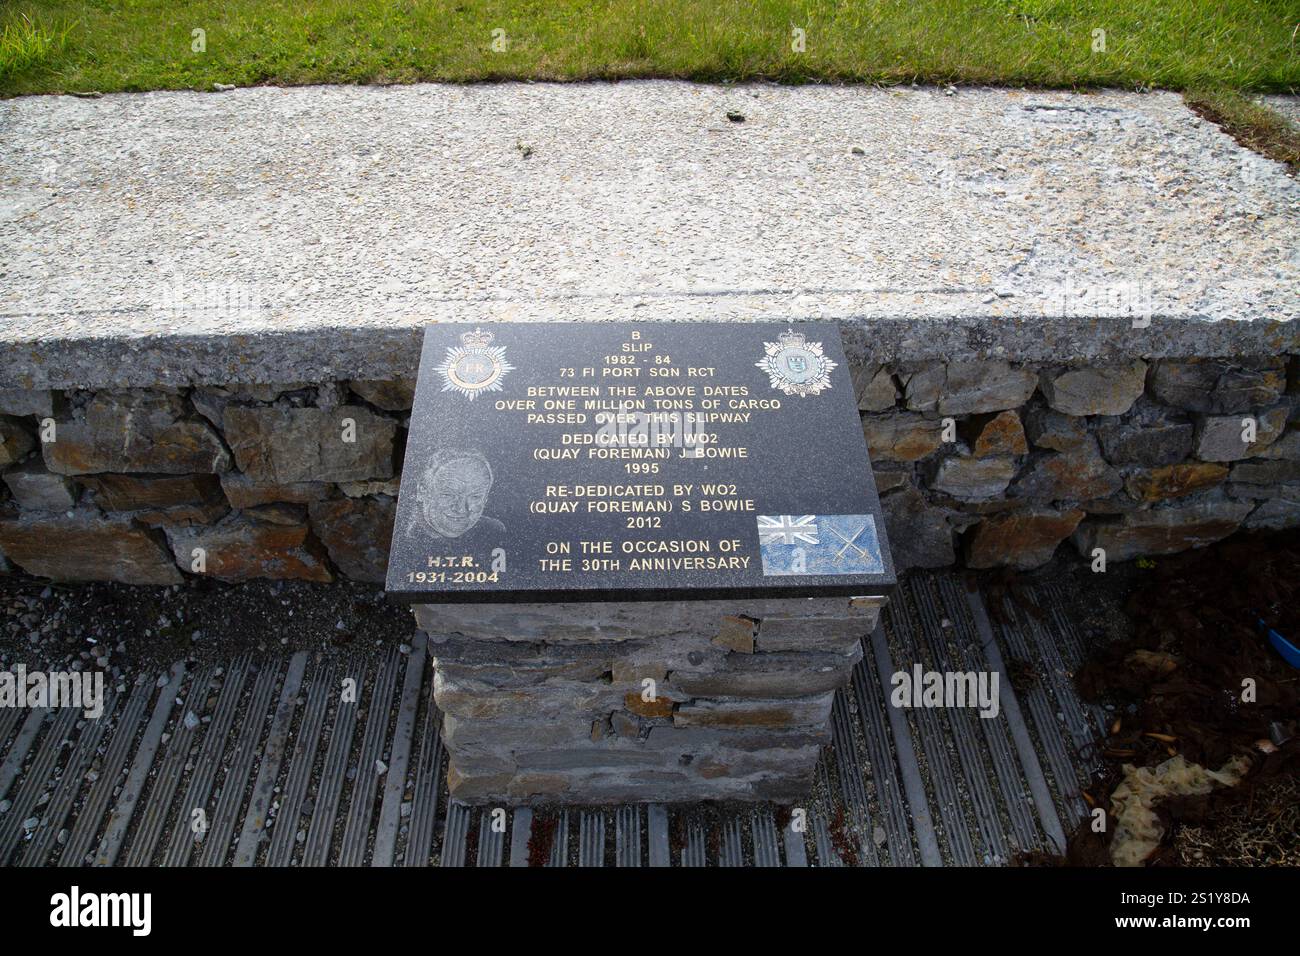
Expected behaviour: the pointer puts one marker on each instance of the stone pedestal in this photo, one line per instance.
(664, 702)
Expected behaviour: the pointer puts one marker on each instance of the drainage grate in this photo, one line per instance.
(277, 773)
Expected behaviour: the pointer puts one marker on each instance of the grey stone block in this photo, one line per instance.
(1287, 447)
(1221, 437)
(15, 441)
(1276, 514)
(27, 401)
(770, 675)
(137, 431)
(1080, 474)
(1218, 385)
(972, 478)
(964, 388)
(920, 534)
(86, 546)
(391, 396)
(875, 388)
(1261, 471)
(1094, 390)
(356, 533)
(1051, 429)
(1148, 439)
(604, 622)
(240, 549)
(280, 444)
(836, 636)
(140, 492)
(781, 713)
(901, 436)
(1162, 530)
(37, 489)
(243, 492)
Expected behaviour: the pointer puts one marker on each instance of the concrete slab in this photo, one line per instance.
(272, 235)
(1288, 106)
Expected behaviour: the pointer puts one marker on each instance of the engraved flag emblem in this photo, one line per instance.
(787, 529)
(819, 544)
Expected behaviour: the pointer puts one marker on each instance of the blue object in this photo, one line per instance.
(1290, 652)
(819, 544)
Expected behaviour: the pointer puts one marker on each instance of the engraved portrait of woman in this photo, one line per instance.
(452, 493)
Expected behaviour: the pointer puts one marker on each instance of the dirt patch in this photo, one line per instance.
(127, 629)
(1198, 679)
(1252, 125)
(1258, 828)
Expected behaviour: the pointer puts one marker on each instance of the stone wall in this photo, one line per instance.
(990, 463)
(144, 486)
(658, 702)
(983, 462)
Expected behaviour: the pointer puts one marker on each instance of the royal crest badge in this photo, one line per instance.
(795, 365)
(476, 365)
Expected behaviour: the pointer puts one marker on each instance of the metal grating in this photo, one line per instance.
(301, 761)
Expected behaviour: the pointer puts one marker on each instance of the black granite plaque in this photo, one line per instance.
(575, 461)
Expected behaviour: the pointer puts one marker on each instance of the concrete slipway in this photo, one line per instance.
(268, 235)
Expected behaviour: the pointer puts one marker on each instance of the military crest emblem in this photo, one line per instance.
(795, 365)
(476, 365)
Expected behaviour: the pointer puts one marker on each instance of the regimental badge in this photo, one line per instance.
(476, 365)
(795, 365)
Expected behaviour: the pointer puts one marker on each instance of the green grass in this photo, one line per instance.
(26, 44)
(1249, 123)
(111, 45)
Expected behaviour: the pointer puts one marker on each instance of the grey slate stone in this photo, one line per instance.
(1094, 390)
(964, 388)
(1263, 471)
(1047, 428)
(875, 388)
(920, 534)
(356, 532)
(37, 489)
(86, 546)
(391, 396)
(1218, 385)
(243, 492)
(1080, 474)
(27, 401)
(1133, 442)
(1276, 514)
(15, 441)
(770, 675)
(972, 478)
(901, 436)
(1163, 530)
(135, 431)
(280, 445)
(1219, 437)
